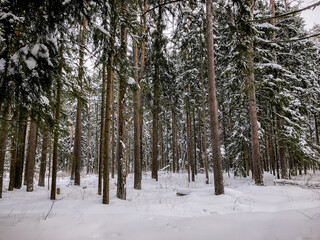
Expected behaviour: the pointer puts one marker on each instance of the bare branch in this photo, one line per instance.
(285, 14)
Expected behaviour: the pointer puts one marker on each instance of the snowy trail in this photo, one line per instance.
(156, 212)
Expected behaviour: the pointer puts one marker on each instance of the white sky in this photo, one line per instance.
(311, 16)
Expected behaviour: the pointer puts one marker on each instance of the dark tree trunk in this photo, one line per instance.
(25, 177)
(204, 121)
(174, 137)
(106, 157)
(44, 152)
(31, 155)
(3, 145)
(217, 165)
(136, 118)
(156, 93)
(56, 133)
(102, 125)
(88, 141)
(96, 143)
(20, 151)
(143, 51)
(282, 151)
(256, 159)
(121, 183)
(77, 136)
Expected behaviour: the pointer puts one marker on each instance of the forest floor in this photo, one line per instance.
(245, 211)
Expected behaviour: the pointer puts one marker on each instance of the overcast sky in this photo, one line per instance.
(311, 16)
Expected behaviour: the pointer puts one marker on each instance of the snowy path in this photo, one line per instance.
(244, 212)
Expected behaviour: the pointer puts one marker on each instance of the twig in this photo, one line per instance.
(285, 14)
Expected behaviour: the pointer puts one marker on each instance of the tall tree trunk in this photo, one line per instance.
(56, 131)
(256, 159)
(136, 119)
(113, 134)
(316, 129)
(20, 151)
(88, 142)
(106, 162)
(121, 183)
(204, 121)
(26, 163)
(31, 155)
(194, 142)
(77, 136)
(189, 141)
(102, 125)
(13, 164)
(174, 136)
(156, 93)
(3, 145)
(44, 152)
(96, 142)
(143, 52)
(282, 151)
(214, 123)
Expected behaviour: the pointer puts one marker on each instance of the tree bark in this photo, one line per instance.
(56, 131)
(143, 52)
(102, 125)
(88, 141)
(174, 137)
(204, 121)
(136, 119)
(31, 155)
(105, 197)
(77, 136)
(43, 163)
(217, 165)
(20, 151)
(156, 93)
(121, 183)
(256, 159)
(3, 145)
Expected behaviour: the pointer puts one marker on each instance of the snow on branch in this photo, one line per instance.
(285, 14)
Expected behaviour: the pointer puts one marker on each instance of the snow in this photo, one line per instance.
(35, 50)
(101, 29)
(245, 211)
(45, 100)
(31, 63)
(131, 81)
(2, 64)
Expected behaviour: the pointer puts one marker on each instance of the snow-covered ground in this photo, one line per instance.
(245, 211)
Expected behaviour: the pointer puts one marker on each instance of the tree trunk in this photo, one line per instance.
(189, 143)
(43, 163)
(143, 51)
(121, 183)
(217, 165)
(26, 163)
(256, 159)
(316, 129)
(137, 132)
(174, 136)
(88, 141)
(3, 145)
(102, 125)
(56, 132)
(77, 136)
(204, 121)
(105, 197)
(31, 155)
(20, 151)
(156, 93)
(96, 142)
(282, 151)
